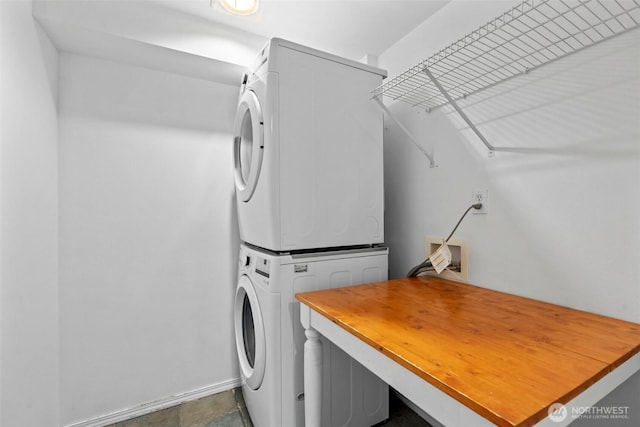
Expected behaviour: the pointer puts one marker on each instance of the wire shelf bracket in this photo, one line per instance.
(530, 35)
(384, 108)
(454, 104)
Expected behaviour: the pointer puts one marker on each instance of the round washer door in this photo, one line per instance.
(248, 144)
(249, 331)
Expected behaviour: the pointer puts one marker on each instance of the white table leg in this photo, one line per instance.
(312, 378)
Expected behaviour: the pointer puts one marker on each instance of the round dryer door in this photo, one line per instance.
(249, 331)
(248, 144)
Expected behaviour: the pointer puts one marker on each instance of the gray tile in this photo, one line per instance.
(199, 413)
(244, 413)
(233, 419)
(237, 393)
(135, 422)
(227, 409)
(169, 417)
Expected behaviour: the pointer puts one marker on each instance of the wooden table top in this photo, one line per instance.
(506, 357)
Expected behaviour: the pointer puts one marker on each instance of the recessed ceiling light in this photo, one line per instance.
(240, 7)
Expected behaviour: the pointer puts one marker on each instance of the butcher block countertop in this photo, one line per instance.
(506, 357)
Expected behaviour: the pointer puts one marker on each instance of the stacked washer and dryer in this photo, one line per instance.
(309, 187)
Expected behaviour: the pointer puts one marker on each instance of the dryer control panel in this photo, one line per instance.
(254, 263)
(263, 266)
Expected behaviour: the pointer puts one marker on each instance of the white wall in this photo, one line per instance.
(28, 221)
(563, 223)
(148, 236)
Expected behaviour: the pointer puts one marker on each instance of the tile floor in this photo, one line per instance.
(227, 409)
(224, 409)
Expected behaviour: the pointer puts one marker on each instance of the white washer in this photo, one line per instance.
(308, 151)
(270, 338)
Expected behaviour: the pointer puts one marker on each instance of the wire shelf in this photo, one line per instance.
(528, 36)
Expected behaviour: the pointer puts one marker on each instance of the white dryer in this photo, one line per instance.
(308, 151)
(270, 338)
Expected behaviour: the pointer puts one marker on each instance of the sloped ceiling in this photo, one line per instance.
(196, 38)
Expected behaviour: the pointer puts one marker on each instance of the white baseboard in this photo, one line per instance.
(156, 405)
